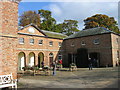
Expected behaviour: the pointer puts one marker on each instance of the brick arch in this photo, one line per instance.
(40, 59)
(31, 59)
(21, 60)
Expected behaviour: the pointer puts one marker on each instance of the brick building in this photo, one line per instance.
(100, 44)
(35, 45)
(30, 45)
(8, 36)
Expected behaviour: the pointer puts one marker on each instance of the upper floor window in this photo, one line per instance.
(83, 43)
(60, 44)
(96, 41)
(51, 43)
(40, 42)
(31, 41)
(21, 40)
(72, 44)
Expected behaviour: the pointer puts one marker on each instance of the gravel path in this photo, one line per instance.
(82, 78)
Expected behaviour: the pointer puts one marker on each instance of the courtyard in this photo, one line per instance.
(82, 78)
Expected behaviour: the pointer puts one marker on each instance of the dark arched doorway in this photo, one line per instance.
(40, 59)
(51, 56)
(95, 58)
(82, 58)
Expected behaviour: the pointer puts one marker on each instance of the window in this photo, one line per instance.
(31, 41)
(59, 56)
(72, 45)
(96, 41)
(83, 43)
(117, 54)
(60, 44)
(40, 42)
(21, 40)
(51, 43)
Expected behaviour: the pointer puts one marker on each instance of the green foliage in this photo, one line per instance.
(47, 21)
(100, 20)
(68, 27)
(29, 17)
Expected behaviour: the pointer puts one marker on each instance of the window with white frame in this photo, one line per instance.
(21, 40)
(31, 41)
(96, 41)
(40, 42)
(83, 42)
(60, 44)
(51, 43)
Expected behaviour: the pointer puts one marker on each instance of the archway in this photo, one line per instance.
(95, 58)
(40, 59)
(82, 57)
(51, 56)
(31, 59)
(21, 61)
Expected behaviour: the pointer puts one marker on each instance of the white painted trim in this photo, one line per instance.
(38, 49)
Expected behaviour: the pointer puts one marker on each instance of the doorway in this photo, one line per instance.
(40, 59)
(82, 58)
(51, 56)
(95, 58)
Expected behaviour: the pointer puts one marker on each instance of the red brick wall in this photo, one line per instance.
(104, 48)
(27, 48)
(8, 38)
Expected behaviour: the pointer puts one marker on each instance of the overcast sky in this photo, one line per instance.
(72, 9)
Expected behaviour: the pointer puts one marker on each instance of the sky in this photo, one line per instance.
(72, 9)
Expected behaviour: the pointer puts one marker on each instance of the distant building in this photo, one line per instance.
(100, 44)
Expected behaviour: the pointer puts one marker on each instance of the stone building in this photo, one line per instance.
(35, 45)
(100, 44)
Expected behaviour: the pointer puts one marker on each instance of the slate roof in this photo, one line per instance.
(46, 33)
(89, 32)
(54, 34)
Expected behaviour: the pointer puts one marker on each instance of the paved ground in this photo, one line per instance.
(83, 78)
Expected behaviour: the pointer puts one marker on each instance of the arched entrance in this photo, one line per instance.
(51, 56)
(31, 59)
(82, 58)
(95, 58)
(40, 59)
(21, 60)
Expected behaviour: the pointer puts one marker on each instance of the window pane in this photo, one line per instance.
(40, 42)
(96, 41)
(60, 44)
(83, 43)
(21, 40)
(51, 43)
(31, 41)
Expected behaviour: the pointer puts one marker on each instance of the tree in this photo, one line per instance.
(100, 20)
(68, 27)
(29, 17)
(47, 21)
